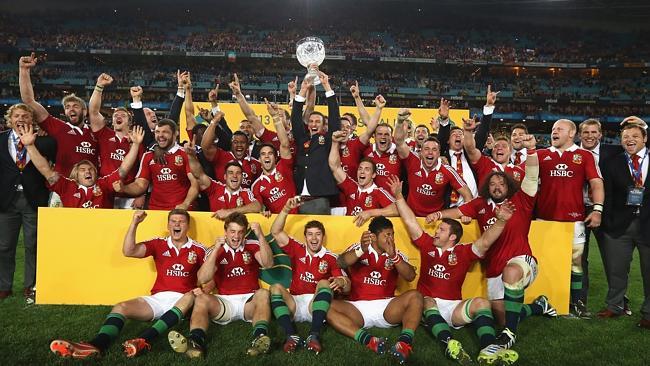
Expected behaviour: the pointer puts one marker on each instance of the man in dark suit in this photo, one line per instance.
(23, 191)
(625, 219)
(312, 174)
(451, 143)
(590, 135)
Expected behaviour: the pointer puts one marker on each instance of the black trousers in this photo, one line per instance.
(19, 214)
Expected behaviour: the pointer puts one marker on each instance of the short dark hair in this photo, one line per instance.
(629, 126)
(379, 224)
(455, 228)
(179, 211)
(170, 123)
(368, 160)
(314, 224)
(236, 217)
(432, 139)
(319, 114)
(484, 190)
(199, 126)
(384, 124)
(239, 133)
(269, 145)
(233, 163)
(520, 126)
(425, 126)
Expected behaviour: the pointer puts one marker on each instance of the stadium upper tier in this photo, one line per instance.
(441, 43)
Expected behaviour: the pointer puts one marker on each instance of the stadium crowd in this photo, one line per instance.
(317, 164)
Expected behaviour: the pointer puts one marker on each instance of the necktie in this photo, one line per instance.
(518, 158)
(638, 179)
(459, 170)
(21, 155)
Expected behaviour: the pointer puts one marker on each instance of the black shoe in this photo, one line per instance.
(578, 311)
(626, 306)
(506, 339)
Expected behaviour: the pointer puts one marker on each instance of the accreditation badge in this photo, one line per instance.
(635, 196)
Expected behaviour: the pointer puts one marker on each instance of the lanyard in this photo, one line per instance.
(636, 174)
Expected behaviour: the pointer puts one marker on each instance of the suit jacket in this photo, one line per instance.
(607, 151)
(34, 184)
(312, 152)
(617, 216)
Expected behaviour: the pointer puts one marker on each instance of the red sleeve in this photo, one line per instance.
(190, 134)
(423, 241)
(482, 166)
(53, 126)
(348, 186)
(186, 160)
(385, 199)
(285, 166)
(454, 179)
(145, 171)
(471, 208)
(592, 170)
(101, 134)
(523, 199)
(467, 251)
(150, 245)
(292, 247)
(248, 196)
(412, 162)
(252, 246)
(210, 190)
(106, 182)
(356, 147)
(62, 185)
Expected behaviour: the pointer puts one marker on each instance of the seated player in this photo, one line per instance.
(234, 264)
(444, 265)
(171, 297)
(316, 276)
(374, 266)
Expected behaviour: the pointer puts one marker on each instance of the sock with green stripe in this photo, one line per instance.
(530, 310)
(576, 286)
(109, 331)
(437, 324)
(281, 313)
(513, 299)
(166, 321)
(261, 327)
(484, 323)
(319, 309)
(362, 336)
(406, 336)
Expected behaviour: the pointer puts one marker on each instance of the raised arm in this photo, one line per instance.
(190, 120)
(209, 266)
(363, 216)
(129, 247)
(28, 138)
(333, 113)
(400, 133)
(97, 121)
(249, 113)
(373, 121)
(404, 268)
(334, 159)
(310, 105)
(473, 153)
(195, 166)
(352, 255)
(503, 213)
(278, 121)
(530, 182)
(484, 128)
(25, 64)
(265, 256)
(207, 143)
(139, 117)
(356, 95)
(136, 135)
(297, 124)
(277, 228)
(177, 103)
(406, 214)
(444, 126)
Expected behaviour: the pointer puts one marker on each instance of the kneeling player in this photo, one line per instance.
(171, 295)
(234, 263)
(374, 266)
(315, 276)
(444, 265)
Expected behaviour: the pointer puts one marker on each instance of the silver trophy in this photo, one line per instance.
(310, 50)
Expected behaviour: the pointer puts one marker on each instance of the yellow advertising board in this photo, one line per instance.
(80, 257)
(234, 115)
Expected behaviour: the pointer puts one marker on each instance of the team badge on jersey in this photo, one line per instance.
(345, 152)
(240, 201)
(278, 177)
(97, 191)
(516, 176)
(388, 264)
(191, 257)
(253, 169)
(577, 159)
(368, 202)
(452, 259)
(323, 266)
(439, 178)
(392, 159)
(246, 257)
(321, 140)
(178, 160)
